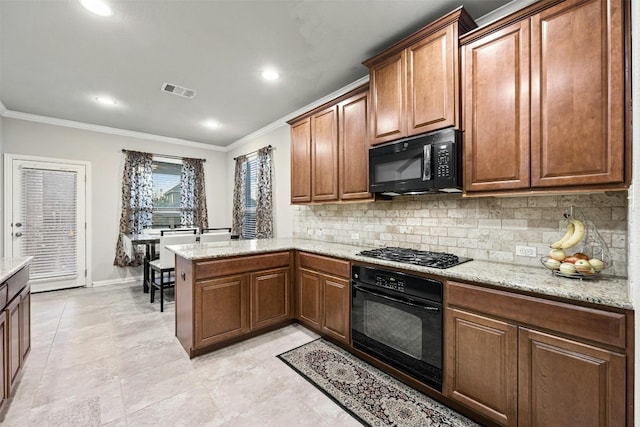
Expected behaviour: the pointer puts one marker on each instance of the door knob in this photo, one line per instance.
(18, 224)
(18, 234)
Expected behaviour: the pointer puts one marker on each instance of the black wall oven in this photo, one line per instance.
(397, 318)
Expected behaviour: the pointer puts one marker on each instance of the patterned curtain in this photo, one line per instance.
(264, 205)
(193, 200)
(137, 205)
(239, 191)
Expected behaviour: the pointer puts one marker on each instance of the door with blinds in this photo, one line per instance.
(47, 221)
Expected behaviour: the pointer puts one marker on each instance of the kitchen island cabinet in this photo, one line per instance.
(545, 100)
(218, 300)
(527, 361)
(15, 322)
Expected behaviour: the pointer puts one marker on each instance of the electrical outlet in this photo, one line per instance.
(529, 251)
(310, 232)
(355, 236)
(318, 232)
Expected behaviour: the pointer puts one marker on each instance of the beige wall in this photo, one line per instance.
(104, 151)
(279, 138)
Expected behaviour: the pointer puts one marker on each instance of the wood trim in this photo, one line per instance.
(333, 266)
(548, 191)
(353, 92)
(184, 319)
(587, 323)
(465, 22)
(240, 265)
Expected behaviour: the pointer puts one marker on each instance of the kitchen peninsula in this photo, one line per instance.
(500, 316)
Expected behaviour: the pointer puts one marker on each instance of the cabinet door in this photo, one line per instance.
(577, 99)
(432, 72)
(387, 83)
(336, 303)
(308, 295)
(324, 166)
(354, 148)
(25, 318)
(481, 356)
(301, 161)
(270, 302)
(220, 309)
(14, 353)
(4, 386)
(496, 110)
(563, 382)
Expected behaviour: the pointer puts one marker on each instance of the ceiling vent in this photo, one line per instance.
(178, 90)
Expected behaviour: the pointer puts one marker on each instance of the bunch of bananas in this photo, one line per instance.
(575, 233)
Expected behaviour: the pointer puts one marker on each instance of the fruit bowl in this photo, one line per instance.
(585, 273)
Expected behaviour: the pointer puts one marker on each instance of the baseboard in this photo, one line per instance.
(111, 282)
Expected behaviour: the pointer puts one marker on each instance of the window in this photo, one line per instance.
(251, 195)
(166, 194)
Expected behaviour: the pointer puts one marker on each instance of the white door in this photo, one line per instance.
(46, 203)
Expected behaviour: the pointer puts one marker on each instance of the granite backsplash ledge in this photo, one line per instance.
(487, 228)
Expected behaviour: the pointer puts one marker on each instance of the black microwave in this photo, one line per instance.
(428, 163)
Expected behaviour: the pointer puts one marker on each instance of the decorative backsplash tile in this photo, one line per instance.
(487, 228)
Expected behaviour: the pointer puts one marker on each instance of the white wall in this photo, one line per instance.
(104, 151)
(279, 138)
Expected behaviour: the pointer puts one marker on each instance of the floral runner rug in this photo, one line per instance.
(370, 395)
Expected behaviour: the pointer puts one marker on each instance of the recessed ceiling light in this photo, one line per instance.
(97, 6)
(105, 100)
(270, 74)
(211, 124)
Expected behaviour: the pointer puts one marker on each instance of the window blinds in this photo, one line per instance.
(50, 227)
(251, 195)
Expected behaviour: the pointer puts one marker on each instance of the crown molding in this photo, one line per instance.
(283, 120)
(503, 11)
(108, 130)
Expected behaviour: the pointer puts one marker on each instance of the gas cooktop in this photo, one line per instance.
(412, 256)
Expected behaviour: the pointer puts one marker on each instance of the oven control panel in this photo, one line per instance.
(390, 282)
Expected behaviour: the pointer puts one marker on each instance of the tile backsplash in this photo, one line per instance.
(487, 228)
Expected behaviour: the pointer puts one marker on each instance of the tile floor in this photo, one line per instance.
(106, 356)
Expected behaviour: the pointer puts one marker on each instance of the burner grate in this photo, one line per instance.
(415, 257)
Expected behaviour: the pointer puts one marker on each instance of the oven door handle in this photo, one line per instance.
(398, 300)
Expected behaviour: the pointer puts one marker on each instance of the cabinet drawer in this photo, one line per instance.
(333, 266)
(244, 264)
(588, 323)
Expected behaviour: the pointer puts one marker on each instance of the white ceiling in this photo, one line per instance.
(56, 57)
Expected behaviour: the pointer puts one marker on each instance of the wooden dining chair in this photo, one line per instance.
(162, 270)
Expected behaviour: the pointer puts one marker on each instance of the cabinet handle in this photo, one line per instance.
(183, 275)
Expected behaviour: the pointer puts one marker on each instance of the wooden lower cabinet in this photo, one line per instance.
(565, 382)
(270, 300)
(220, 309)
(25, 317)
(14, 361)
(4, 394)
(501, 366)
(222, 299)
(323, 295)
(482, 365)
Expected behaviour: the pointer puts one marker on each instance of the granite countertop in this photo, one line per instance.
(606, 290)
(10, 266)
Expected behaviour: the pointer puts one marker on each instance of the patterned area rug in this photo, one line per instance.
(370, 395)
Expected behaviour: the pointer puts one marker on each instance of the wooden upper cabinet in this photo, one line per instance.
(496, 110)
(545, 99)
(578, 94)
(353, 141)
(432, 82)
(387, 87)
(324, 165)
(330, 151)
(301, 161)
(414, 84)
